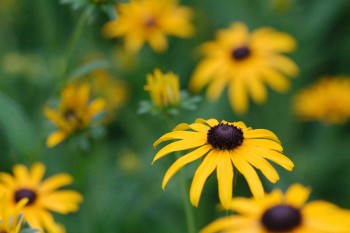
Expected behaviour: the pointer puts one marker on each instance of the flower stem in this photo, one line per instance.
(71, 46)
(191, 227)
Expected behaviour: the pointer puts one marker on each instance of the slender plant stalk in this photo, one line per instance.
(191, 226)
(71, 46)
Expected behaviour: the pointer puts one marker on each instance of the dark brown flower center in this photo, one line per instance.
(240, 53)
(150, 22)
(71, 116)
(25, 193)
(225, 136)
(281, 218)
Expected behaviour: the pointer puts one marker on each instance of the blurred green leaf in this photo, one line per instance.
(18, 128)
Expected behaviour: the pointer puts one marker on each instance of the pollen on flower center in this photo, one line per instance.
(281, 218)
(240, 53)
(25, 193)
(225, 136)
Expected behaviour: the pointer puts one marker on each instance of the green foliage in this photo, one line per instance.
(124, 197)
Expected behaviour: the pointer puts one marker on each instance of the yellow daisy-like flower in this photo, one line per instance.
(42, 195)
(278, 213)
(245, 62)
(150, 21)
(75, 112)
(164, 89)
(11, 219)
(327, 100)
(223, 147)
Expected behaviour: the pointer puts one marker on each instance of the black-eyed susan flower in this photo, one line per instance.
(327, 100)
(223, 147)
(11, 219)
(75, 112)
(150, 21)
(245, 62)
(43, 195)
(282, 213)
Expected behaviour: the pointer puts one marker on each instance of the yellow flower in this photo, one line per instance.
(164, 89)
(224, 146)
(150, 21)
(245, 62)
(327, 101)
(278, 213)
(114, 92)
(11, 219)
(42, 195)
(75, 112)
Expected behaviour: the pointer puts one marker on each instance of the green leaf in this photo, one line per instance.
(18, 128)
(88, 68)
(29, 230)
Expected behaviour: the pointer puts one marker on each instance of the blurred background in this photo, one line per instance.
(122, 190)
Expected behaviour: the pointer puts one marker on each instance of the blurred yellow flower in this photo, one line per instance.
(327, 100)
(224, 146)
(11, 219)
(75, 112)
(164, 89)
(150, 21)
(245, 62)
(113, 91)
(42, 195)
(283, 213)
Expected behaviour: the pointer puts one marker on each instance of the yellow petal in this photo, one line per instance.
(285, 65)
(184, 160)
(21, 173)
(263, 143)
(224, 224)
(63, 201)
(158, 41)
(177, 135)
(96, 107)
(82, 95)
(56, 138)
(216, 87)
(297, 195)
(37, 172)
(178, 146)
(276, 157)
(262, 134)
(238, 96)
(49, 222)
(54, 182)
(257, 90)
(275, 80)
(203, 74)
(260, 163)
(250, 175)
(204, 170)
(224, 173)
(244, 206)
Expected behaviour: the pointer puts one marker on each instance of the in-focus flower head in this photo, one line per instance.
(224, 147)
(327, 100)
(150, 21)
(245, 62)
(282, 213)
(166, 97)
(42, 196)
(74, 113)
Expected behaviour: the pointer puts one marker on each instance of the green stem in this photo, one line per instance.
(191, 226)
(71, 46)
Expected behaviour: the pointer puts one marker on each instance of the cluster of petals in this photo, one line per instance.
(258, 146)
